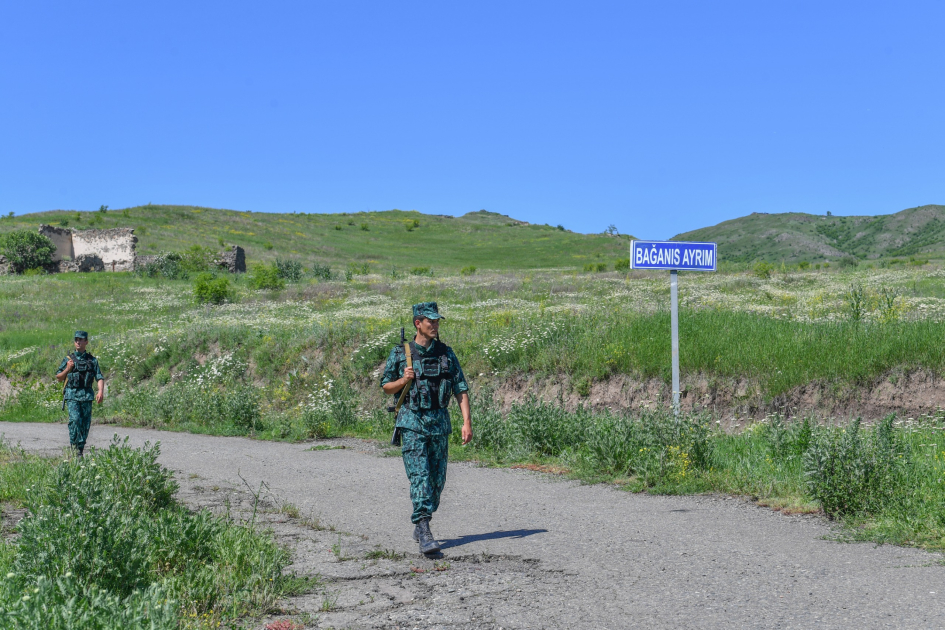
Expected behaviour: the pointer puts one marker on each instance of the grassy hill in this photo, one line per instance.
(394, 238)
(795, 236)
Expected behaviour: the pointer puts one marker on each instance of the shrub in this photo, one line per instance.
(35, 271)
(622, 264)
(265, 277)
(165, 264)
(847, 262)
(420, 271)
(468, 271)
(196, 259)
(338, 227)
(763, 269)
(323, 272)
(267, 245)
(209, 289)
(851, 475)
(289, 270)
(364, 227)
(803, 265)
(26, 249)
(595, 267)
(64, 223)
(560, 227)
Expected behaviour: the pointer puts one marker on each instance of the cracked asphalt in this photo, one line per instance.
(525, 550)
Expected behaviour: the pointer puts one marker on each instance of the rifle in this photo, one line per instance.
(395, 439)
(65, 384)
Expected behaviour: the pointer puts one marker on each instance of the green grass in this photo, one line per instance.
(106, 545)
(303, 362)
(484, 240)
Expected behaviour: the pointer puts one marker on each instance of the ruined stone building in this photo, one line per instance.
(92, 250)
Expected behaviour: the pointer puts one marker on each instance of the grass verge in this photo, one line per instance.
(105, 545)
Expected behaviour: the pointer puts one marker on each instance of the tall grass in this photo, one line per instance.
(105, 543)
(887, 482)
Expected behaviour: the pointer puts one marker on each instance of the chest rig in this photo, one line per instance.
(432, 387)
(82, 375)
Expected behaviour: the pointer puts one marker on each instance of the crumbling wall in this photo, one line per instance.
(62, 239)
(233, 259)
(82, 262)
(115, 247)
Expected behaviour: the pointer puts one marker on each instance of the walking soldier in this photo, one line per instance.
(433, 377)
(80, 370)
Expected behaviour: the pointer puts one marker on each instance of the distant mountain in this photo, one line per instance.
(795, 236)
(392, 239)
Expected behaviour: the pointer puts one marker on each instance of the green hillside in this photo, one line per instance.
(486, 240)
(795, 236)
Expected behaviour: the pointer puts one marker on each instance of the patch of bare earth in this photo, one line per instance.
(905, 393)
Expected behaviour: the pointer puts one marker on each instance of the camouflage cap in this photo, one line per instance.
(81, 334)
(426, 309)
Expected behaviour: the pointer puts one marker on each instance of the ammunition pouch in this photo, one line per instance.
(82, 375)
(432, 387)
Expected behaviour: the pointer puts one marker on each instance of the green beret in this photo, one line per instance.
(426, 309)
(81, 334)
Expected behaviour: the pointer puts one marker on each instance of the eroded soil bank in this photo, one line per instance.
(908, 394)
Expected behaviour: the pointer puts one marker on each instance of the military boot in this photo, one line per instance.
(425, 538)
(416, 533)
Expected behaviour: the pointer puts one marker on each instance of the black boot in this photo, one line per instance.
(416, 533)
(427, 543)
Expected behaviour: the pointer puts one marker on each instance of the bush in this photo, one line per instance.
(847, 262)
(165, 264)
(851, 475)
(364, 227)
(105, 545)
(468, 271)
(762, 269)
(265, 277)
(622, 264)
(320, 271)
(338, 227)
(196, 259)
(26, 249)
(595, 267)
(267, 245)
(420, 271)
(289, 270)
(209, 289)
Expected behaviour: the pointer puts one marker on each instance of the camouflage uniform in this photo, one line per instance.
(79, 395)
(425, 432)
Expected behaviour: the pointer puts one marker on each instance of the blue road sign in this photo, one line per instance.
(673, 255)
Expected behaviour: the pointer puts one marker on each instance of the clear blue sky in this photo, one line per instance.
(658, 117)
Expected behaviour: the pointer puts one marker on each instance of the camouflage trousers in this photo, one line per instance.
(425, 461)
(80, 419)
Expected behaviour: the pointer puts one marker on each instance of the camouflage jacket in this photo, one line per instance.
(429, 421)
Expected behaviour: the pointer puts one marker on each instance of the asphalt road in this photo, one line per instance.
(615, 559)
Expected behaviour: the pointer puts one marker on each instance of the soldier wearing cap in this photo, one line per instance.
(80, 370)
(424, 419)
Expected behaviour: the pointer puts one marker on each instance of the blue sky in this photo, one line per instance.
(658, 117)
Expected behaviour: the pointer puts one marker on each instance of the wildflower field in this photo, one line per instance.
(304, 362)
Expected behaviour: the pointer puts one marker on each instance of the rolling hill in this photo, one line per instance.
(393, 238)
(795, 236)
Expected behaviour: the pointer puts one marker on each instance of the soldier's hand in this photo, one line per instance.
(409, 374)
(99, 396)
(467, 433)
(69, 366)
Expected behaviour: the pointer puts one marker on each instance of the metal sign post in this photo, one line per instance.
(673, 256)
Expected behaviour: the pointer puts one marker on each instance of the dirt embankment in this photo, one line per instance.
(908, 394)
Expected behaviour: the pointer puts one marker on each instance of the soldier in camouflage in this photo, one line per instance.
(80, 370)
(424, 418)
